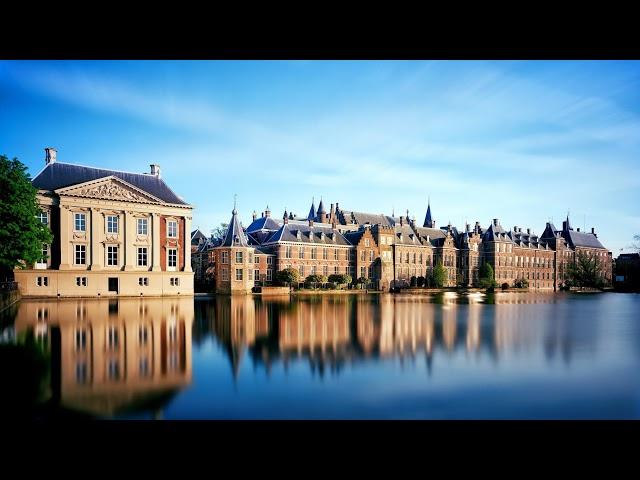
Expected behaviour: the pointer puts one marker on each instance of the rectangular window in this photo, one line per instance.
(143, 281)
(314, 253)
(225, 257)
(238, 274)
(325, 254)
(371, 256)
(287, 252)
(45, 253)
(301, 252)
(143, 335)
(362, 253)
(81, 373)
(173, 257)
(114, 370)
(225, 274)
(80, 254)
(250, 274)
(80, 223)
(362, 271)
(238, 257)
(144, 367)
(112, 224)
(256, 275)
(142, 226)
(43, 216)
(335, 254)
(269, 275)
(174, 281)
(269, 260)
(325, 270)
(335, 269)
(256, 259)
(313, 270)
(301, 269)
(142, 256)
(81, 281)
(172, 229)
(112, 255)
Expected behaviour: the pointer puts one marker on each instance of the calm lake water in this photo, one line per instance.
(447, 356)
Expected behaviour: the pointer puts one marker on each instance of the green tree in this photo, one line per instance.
(439, 276)
(314, 279)
(21, 232)
(340, 278)
(220, 232)
(288, 276)
(486, 276)
(585, 271)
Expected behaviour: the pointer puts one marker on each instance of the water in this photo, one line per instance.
(447, 356)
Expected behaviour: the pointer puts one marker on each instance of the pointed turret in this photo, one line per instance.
(428, 221)
(235, 236)
(312, 211)
(320, 214)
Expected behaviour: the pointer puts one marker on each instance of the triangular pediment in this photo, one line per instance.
(109, 188)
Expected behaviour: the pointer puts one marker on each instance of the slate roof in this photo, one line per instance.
(427, 218)
(289, 233)
(235, 236)
(354, 237)
(405, 235)
(312, 212)
(495, 233)
(59, 175)
(434, 233)
(263, 223)
(362, 218)
(197, 237)
(581, 239)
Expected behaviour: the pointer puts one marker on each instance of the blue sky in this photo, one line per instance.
(522, 141)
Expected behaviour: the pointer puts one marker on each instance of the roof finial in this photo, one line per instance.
(234, 203)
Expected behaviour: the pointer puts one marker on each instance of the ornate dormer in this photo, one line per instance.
(298, 234)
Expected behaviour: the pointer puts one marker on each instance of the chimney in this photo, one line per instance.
(262, 214)
(155, 170)
(593, 230)
(337, 208)
(528, 231)
(515, 228)
(401, 220)
(254, 215)
(50, 155)
(495, 222)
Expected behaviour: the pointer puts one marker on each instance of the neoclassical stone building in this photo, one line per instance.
(389, 251)
(115, 234)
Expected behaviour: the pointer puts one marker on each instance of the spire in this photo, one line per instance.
(568, 224)
(235, 236)
(312, 212)
(428, 220)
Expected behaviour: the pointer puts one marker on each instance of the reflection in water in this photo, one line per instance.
(331, 331)
(112, 356)
(133, 357)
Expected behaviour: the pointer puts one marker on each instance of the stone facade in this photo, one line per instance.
(111, 236)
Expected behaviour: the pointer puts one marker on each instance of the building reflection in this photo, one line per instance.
(330, 332)
(113, 356)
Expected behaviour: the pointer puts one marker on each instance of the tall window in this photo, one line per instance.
(301, 252)
(256, 275)
(238, 257)
(172, 229)
(362, 253)
(314, 253)
(80, 223)
(335, 254)
(225, 257)
(142, 226)
(43, 216)
(287, 251)
(256, 259)
(363, 271)
(335, 269)
(142, 256)
(366, 242)
(225, 274)
(112, 255)
(269, 260)
(173, 257)
(45, 253)
(325, 254)
(80, 254)
(269, 275)
(238, 274)
(301, 270)
(371, 255)
(112, 224)
(325, 270)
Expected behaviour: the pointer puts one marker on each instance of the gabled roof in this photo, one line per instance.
(197, 236)
(354, 237)
(581, 239)
(314, 235)
(495, 233)
(235, 236)
(59, 175)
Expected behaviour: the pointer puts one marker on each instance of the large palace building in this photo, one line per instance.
(388, 250)
(115, 234)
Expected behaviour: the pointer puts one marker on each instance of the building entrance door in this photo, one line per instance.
(113, 284)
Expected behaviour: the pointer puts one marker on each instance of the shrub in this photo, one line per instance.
(505, 286)
(421, 281)
(288, 276)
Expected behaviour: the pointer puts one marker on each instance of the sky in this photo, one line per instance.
(522, 141)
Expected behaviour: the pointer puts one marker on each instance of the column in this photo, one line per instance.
(65, 230)
(155, 247)
(129, 238)
(187, 244)
(97, 229)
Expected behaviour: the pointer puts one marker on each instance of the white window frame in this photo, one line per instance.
(83, 221)
(145, 252)
(78, 249)
(172, 268)
(112, 224)
(142, 222)
(172, 226)
(116, 252)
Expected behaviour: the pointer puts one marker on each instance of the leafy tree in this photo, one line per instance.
(585, 271)
(288, 276)
(21, 232)
(486, 276)
(521, 283)
(220, 232)
(439, 276)
(315, 279)
(340, 278)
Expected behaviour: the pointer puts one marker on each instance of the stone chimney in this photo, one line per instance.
(528, 231)
(155, 170)
(254, 215)
(50, 155)
(401, 220)
(515, 229)
(495, 222)
(267, 212)
(285, 217)
(593, 230)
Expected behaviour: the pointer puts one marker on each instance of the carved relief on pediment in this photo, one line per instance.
(79, 235)
(110, 190)
(111, 239)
